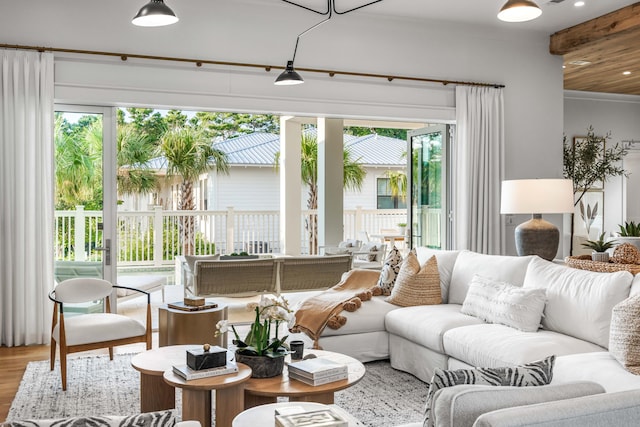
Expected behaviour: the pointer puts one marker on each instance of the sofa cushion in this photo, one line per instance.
(624, 338)
(368, 318)
(425, 325)
(416, 284)
(508, 269)
(148, 419)
(461, 405)
(499, 302)
(389, 271)
(493, 345)
(536, 373)
(579, 302)
(191, 259)
(600, 367)
(446, 261)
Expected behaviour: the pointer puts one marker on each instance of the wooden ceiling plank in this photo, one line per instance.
(618, 22)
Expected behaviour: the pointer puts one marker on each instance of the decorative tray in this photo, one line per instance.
(584, 262)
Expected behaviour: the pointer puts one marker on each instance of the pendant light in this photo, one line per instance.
(519, 11)
(289, 76)
(154, 14)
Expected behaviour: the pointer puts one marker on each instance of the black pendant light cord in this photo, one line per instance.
(331, 7)
(295, 50)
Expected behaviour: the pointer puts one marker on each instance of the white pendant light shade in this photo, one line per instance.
(289, 76)
(154, 14)
(519, 11)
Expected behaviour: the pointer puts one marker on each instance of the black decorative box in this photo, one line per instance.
(197, 358)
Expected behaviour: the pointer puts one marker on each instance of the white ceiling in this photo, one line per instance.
(555, 16)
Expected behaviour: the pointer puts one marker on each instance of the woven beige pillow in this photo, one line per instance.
(624, 335)
(416, 284)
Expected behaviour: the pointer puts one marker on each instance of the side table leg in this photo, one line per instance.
(251, 400)
(229, 403)
(155, 394)
(196, 405)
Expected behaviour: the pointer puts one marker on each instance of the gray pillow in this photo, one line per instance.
(530, 374)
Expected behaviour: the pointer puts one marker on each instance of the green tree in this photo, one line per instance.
(220, 126)
(364, 131)
(189, 154)
(135, 150)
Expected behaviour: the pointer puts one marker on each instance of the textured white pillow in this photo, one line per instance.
(579, 302)
(499, 302)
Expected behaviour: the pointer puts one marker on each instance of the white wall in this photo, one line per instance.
(617, 114)
(264, 32)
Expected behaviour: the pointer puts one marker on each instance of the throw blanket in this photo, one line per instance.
(323, 310)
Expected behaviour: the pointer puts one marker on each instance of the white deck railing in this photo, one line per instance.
(155, 237)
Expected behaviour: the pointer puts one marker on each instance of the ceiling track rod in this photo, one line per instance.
(200, 62)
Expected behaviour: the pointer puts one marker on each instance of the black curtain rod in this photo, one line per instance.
(200, 62)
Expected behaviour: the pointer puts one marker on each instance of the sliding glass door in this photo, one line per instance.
(428, 184)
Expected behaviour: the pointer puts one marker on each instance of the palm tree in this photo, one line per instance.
(354, 174)
(135, 150)
(189, 155)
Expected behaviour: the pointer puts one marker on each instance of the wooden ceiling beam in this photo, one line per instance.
(610, 25)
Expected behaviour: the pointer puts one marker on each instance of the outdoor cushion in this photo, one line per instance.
(434, 321)
(99, 326)
(143, 283)
(492, 345)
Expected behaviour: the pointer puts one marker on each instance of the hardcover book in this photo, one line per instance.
(317, 368)
(180, 305)
(320, 418)
(187, 373)
(319, 381)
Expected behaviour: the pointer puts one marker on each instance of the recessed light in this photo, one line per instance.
(579, 3)
(580, 63)
(626, 73)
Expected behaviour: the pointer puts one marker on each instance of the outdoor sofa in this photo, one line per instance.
(575, 327)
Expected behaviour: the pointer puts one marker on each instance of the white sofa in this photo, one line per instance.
(575, 325)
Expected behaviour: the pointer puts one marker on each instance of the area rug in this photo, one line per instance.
(97, 386)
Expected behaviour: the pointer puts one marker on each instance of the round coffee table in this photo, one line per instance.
(196, 396)
(261, 391)
(264, 415)
(155, 393)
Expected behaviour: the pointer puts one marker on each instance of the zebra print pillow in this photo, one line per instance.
(529, 374)
(149, 419)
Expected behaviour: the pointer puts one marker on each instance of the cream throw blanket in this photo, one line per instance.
(323, 310)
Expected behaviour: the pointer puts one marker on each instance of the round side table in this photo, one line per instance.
(264, 415)
(184, 327)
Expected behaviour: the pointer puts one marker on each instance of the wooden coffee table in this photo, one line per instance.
(261, 391)
(196, 396)
(155, 393)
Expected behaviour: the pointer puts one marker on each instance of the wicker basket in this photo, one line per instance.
(584, 262)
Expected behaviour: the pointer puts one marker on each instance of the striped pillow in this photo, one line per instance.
(148, 419)
(530, 374)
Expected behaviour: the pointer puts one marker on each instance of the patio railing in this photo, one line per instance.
(156, 237)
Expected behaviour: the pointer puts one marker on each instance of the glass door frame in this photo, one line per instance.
(109, 192)
(446, 226)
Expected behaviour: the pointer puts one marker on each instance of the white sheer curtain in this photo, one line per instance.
(479, 169)
(26, 195)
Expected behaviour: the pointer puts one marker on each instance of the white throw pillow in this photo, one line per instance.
(446, 261)
(499, 302)
(509, 269)
(579, 302)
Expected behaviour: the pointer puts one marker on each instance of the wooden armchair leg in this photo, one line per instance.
(110, 353)
(63, 368)
(52, 356)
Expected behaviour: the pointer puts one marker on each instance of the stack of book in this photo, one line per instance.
(318, 371)
(187, 373)
(319, 418)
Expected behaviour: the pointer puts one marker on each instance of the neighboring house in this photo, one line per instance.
(253, 182)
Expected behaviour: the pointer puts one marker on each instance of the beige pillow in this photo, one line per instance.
(624, 335)
(416, 284)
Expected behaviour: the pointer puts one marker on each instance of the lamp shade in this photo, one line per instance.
(539, 196)
(154, 14)
(289, 76)
(519, 11)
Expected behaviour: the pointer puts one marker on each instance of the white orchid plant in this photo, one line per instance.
(259, 341)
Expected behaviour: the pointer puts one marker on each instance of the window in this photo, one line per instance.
(386, 200)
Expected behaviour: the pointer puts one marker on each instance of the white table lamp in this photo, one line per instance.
(537, 197)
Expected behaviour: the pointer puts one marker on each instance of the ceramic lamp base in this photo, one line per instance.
(537, 237)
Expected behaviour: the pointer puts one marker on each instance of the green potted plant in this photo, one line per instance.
(402, 227)
(629, 232)
(262, 352)
(599, 247)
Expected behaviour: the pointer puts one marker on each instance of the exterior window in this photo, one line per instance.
(385, 199)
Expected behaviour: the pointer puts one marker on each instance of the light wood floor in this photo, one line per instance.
(14, 360)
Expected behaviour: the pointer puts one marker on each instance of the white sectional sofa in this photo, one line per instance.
(575, 325)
